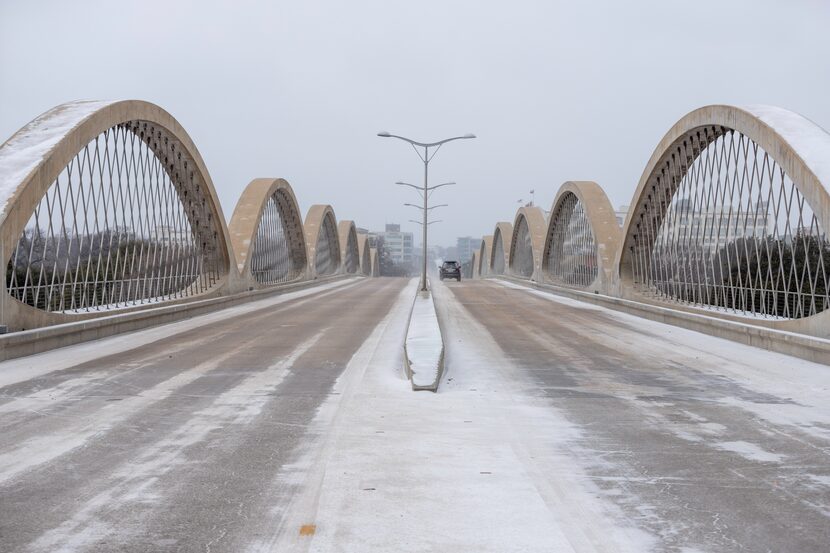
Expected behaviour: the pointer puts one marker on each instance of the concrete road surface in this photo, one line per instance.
(704, 444)
(173, 442)
(287, 425)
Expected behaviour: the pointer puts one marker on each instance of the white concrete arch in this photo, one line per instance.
(500, 253)
(267, 229)
(790, 144)
(80, 148)
(582, 238)
(527, 242)
(322, 240)
(349, 250)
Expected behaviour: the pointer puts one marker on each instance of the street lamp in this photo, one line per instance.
(426, 190)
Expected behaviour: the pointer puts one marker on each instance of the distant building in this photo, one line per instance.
(465, 246)
(621, 212)
(171, 236)
(397, 244)
(716, 226)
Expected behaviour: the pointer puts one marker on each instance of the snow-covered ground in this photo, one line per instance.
(558, 426)
(424, 345)
(481, 466)
(757, 369)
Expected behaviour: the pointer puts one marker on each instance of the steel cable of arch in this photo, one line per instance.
(271, 258)
(572, 253)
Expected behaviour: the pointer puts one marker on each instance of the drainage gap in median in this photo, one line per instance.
(424, 347)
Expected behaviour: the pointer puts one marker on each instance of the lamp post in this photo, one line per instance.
(425, 191)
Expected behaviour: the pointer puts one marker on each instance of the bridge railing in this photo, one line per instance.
(729, 219)
(108, 207)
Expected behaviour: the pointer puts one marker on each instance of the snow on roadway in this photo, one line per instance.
(756, 369)
(77, 432)
(484, 465)
(481, 466)
(136, 481)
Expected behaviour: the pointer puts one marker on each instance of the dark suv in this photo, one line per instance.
(450, 269)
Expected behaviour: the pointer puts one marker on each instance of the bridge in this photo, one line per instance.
(175, 382)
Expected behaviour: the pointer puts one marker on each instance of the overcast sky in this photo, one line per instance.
(298, 89)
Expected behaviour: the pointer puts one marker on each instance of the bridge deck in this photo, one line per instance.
(286, 424)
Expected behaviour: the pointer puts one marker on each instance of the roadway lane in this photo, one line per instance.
(170, 439)
(703, 444)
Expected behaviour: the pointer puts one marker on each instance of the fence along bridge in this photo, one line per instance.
(258, 377)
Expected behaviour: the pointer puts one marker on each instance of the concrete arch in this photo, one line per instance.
(322, 241)
(527, 242)
(261, 197)
(375, 262)
(364, 254)
(33, 159)
(474, 265)
(484, 255)
(799, 147)
(349, 250)
(500, 252)
(587, 201)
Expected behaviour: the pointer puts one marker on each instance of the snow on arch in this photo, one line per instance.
(29, 147)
